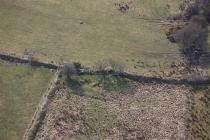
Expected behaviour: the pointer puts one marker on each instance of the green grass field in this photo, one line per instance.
(52, 30)
(94, 85)
(21, 88)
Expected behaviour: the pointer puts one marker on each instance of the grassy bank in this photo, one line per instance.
(200, 116)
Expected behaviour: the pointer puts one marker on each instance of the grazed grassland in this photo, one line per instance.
(21, 88)
(86, 31)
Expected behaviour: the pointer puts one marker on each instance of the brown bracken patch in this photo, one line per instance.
(150, 111)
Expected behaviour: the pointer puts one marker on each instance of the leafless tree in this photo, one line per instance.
(102, 65)
(105, 65)
(110, 64)
(68, 70)
(116, 66)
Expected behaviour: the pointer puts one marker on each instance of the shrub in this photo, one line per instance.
(68, 70)
(199, 19)
(109, 65)
(102, 65)
(116, 66)
(191, 9)
(77, 65)
(198, 7)
(192, 39)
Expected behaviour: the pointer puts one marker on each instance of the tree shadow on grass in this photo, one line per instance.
(205, 60)
(75, 86)
(94, 88)
(116, 84)
(81, 88)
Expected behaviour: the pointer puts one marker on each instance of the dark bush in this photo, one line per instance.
(191, 9)
(192, 39)
(201, 20)
(199, 7)
(68, 70)
(77, 65)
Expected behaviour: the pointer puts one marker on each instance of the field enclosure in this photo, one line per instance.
(86, 31)
(119, 108)
(21, 88)
(111, 112)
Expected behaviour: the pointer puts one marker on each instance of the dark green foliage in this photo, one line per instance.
(192, 39)
(199, 7)
(75, 86)
(68, 70)
(116, 83)
(93, 86)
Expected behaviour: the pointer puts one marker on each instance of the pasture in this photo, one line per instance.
(21, 88)
(87, 31)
